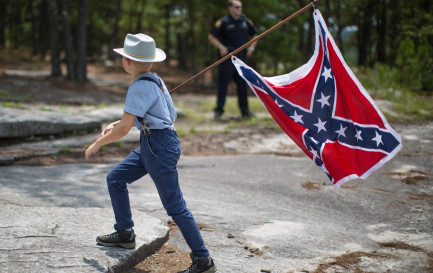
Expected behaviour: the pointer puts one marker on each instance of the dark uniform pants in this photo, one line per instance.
(227, 71)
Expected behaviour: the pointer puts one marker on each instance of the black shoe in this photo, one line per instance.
(217, 115)
(248, 115)
(200, 265)
(122, 238)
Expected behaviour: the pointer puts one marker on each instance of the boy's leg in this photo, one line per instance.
(160, 160)
(128, 171)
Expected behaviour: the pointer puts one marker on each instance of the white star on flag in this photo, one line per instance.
(378, 139)
(320, 125)
(327, 73)
(324, 100)
(297, 118)
(341, 131)
(358, 135)
(315, 155)
(279, 105)
(314, 140)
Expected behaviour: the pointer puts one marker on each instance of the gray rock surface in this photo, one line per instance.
(51, 217)
(62, 239)
(15, 122)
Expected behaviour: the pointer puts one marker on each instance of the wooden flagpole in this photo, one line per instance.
(312, 4)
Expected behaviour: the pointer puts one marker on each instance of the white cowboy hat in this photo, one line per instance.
(141, 48)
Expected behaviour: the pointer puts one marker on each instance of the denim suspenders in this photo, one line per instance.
(140, 119)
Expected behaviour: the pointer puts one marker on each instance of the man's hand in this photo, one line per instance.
(250, 51)
(223, 51)
(222, 48)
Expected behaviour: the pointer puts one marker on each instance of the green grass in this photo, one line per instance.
(381, 82)
(17, 105)
(192, 113)
(65, 149)
(231, 106)
(4, 94)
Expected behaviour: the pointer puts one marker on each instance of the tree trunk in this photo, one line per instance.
(82, 41)
(340, 27)
(327, 9)
(309, 47)
(54, 39)
(3, 22)
(167, 31)
(16, 26)
(44, 38)
(381, 30)
(364, 34)
(33, 34)
(113, 41)
(139, 16)
(394, 31)
(69, 48)
(182, 49)
(192, 38)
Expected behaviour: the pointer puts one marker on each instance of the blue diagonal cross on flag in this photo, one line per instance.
(327, 112)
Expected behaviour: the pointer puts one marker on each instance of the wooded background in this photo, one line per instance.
(397, 33)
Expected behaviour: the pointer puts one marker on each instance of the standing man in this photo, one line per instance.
(228, 34)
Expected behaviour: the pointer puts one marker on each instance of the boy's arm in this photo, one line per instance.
(119, 130)
(109, 127)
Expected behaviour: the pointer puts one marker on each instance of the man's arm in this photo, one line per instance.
(119, 130)
(252, 47)
(223, 50)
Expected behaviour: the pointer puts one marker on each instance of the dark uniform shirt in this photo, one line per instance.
(233, 33)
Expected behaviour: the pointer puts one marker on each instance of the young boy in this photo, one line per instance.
(149, 107)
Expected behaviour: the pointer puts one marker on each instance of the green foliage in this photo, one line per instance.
(17, 105)
(65, 149)
(181, 28)
(381, 82)
(120, 143)
(414, 64)
(4, 95)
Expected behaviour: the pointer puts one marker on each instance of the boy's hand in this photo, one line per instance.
(91, 150)
(107, 129)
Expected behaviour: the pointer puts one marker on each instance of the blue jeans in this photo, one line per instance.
(157, 156)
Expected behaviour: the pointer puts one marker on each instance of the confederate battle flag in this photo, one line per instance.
(327, 112)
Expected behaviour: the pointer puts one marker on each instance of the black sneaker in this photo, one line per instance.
(248, 114)
(200, 265)
(217, 115)
(122, 238)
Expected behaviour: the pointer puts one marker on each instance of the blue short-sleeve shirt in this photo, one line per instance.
(146, 100)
